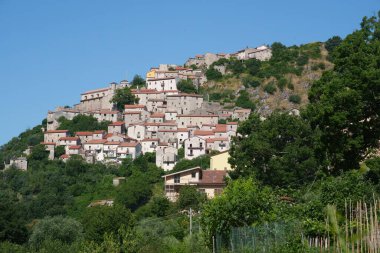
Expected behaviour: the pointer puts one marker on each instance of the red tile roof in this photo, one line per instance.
(64, 156)
(213, 177)
(132, 112)
(129, 144)
(157, 115)
(212, 140)
(182, 130)
(150, 139)
(75, 147)
(117, 123)
(96, 141)
(99, 132)
(69, 138)
(56, 131)
(83, 133)
(203, 132)
(220, 128)
(112, 143)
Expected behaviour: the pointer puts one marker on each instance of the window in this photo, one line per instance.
(193, 175)
(177, 179)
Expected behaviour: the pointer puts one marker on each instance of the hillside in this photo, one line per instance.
(279, 83)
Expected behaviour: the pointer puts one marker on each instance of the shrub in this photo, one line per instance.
(250, 81)
(213, 74)
(282, 83)
(270, 88)
(295, 99)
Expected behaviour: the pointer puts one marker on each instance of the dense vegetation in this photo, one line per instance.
(288, 170)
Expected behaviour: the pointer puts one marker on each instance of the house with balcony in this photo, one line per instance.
(149, 145)
(128, 150)
(211, 182)
(194, 147)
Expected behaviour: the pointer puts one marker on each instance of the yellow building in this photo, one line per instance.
(220, 161)
(151, 73)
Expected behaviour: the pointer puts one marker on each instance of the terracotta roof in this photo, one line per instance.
(132, 112)
(220, 128)
(75, 147)
(128, 144)
(157, 115)
(64, 156)
(56, 131)
(48, 143)
(182, 130)
(167, 130)
(203, 132)
(133, 106)
(117, 123)
(69, 138)
(197, 115)
(213, 177)
(94, 91)
(211, 140)
(96, 142)
(167, 123)
(99, 132)
(162, 144)
(83, 133)
(150, 139)
(112, 143)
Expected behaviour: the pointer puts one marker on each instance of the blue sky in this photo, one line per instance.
(51, 51)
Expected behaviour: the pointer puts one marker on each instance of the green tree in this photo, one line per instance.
(279, 150)
(332, 43)
(66, 230)
(243, 203)
(345, 102)
(213, 74)
(100, 220)
(253, 66)
(189, 196)
(138, 81)
(123, 97)
(39, 153)
(244, 101)
(58, 151)
(186, 86)
(82, 122)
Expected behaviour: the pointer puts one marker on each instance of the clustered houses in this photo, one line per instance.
(163, 121)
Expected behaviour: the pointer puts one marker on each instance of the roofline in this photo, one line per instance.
(174, 173)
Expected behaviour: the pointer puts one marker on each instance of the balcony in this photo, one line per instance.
(222, 145)
(193, 148)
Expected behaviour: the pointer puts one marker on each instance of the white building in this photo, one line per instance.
(160, 84)
(194, 147)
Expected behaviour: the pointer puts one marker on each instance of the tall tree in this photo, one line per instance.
(278, 151)
(124, 97)
(345, 102)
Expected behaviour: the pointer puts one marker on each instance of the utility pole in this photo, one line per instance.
(191, 222)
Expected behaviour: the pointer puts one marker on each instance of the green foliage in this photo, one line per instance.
(332, 43)
(189, 196)
(39, 153)
(66, 230)
(222, 121)
(295, 99)
(123, 97)
(278, 151)
(213, 74)
(103, 219)
(281, 84)
(58, 151)
(137, 81)
(244, 101)
(344, 103)
(82, 122)
(202, 161)
(253, 66)
(16, 146)
(181, 153)
(250, 81)
(270, 88)
(243, 203)
(186, 86)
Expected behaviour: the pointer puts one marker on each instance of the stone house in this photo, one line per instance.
(262, 53)
(169, 136)
(171, 114)
(95, 148)
(149, 145)
(156, 118)
(84, 136)
(182, 135)
(55, 135)
(53, 116)
(218, 144)
(196, 119)
(194, 147)
(98, 134)
(241, 114)
(73, 150)
(159, 84)
(106, 115)
(204, 134)
(109, 149)
(131, 117)
(166, 157)
(69, 141)
(184, 103)
(136, 131)
(20, 163)
(210, 182)
(129, 150)
(117, 127)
